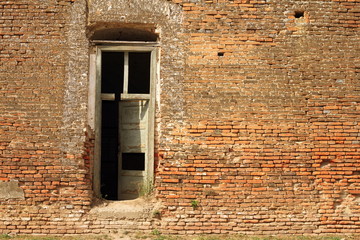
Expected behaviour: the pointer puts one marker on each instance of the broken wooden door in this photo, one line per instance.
(133, 147)
(126, 80)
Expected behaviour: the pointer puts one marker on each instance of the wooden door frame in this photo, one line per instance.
(94, 105)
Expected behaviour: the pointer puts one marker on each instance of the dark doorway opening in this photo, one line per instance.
(112, 82)
(109, 146)
(125, 94)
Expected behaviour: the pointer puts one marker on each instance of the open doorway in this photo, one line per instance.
(125, 119)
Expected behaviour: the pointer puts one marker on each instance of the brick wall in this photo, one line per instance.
(257, 116)
(269, 142)
(41, 137)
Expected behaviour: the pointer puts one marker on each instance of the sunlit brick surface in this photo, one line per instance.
(257, 115)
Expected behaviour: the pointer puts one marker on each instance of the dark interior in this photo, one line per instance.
(111, 82)
(109, 145)
(139, 72)
(112, 73)
(133, 161)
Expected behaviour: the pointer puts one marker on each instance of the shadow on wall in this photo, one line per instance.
(123, 34)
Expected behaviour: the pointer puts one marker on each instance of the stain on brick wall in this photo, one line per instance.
(257, 115)
(9, 190)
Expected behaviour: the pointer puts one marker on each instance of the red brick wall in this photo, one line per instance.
(269, 139)
(257, 116)
(35, 149)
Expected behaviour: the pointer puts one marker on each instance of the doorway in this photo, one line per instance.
(125, 121)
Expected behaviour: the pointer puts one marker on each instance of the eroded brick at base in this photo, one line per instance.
(256, 117)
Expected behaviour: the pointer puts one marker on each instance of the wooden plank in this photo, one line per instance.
(92, 89)
(108, 96)
(126, 72)
(149, 167)
(97, 150)
(134, 96)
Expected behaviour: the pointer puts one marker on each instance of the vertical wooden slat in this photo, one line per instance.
(149, 167)
(126, 72)
(97, 148)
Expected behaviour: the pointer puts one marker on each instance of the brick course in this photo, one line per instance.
(257, 115)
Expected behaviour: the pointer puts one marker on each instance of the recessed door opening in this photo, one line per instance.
(126, 119)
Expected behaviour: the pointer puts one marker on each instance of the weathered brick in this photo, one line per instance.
(257, 115)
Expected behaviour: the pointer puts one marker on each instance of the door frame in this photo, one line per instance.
(95, 102)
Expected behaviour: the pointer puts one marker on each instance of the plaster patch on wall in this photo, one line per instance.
(9, 190)
(75, 93)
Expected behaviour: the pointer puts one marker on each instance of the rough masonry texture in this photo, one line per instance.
(257, 116)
